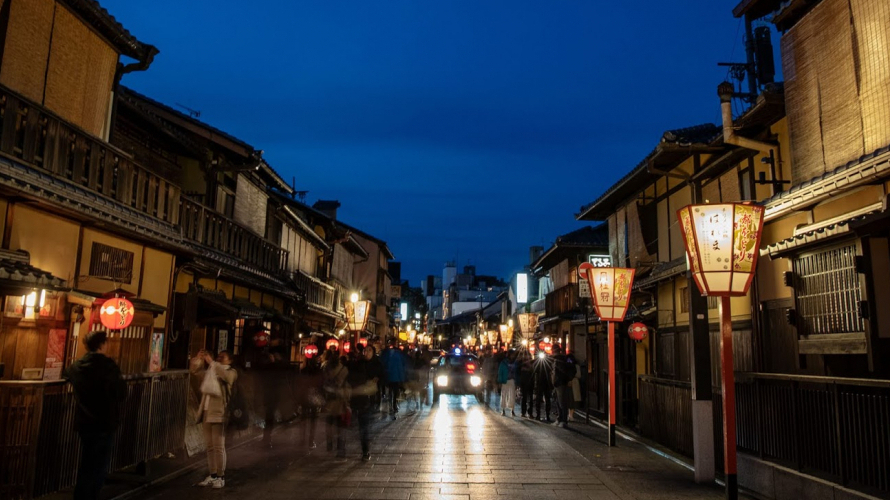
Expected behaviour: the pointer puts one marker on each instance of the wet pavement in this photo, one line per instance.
(456, 449)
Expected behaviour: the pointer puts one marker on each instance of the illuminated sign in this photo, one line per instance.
(600, 260)
(403, 310)
(522, 288)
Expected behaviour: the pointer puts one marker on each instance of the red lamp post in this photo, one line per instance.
(610, 290)
(722, 243)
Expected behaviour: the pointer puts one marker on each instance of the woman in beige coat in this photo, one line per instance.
(212, 410)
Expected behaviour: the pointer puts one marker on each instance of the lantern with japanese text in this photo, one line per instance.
(638, 332)
(261, 338)
(310, 351)
(528, 324)
(610, 291)
(116, 313)
(332, 344)
(357, 312)
(722, 244)
(347, 346)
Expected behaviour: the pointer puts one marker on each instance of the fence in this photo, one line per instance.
(838, 429)
(39, 447)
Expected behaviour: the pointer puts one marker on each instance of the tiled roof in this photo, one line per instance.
(586, 236)
(15, 266)
(112, 30)
(797, 241)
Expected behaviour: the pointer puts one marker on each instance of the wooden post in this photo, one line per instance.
(729, 428)
(612, 391)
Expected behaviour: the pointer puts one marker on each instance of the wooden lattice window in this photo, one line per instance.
(828, 291)
(111, 263)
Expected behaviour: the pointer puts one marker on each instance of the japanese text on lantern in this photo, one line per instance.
(745, 237)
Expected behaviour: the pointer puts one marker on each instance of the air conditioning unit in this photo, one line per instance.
(32, 374)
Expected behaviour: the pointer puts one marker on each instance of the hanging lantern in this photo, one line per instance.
(261, 338)
(548, 348)
(531, 349)
(347, 346)
(363, 341)
(722, 243)
(332, 344)
(638, 332)
(610, 290)
(310, 351)
(116, 313)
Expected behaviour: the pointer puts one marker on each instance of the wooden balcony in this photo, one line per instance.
(213, 229)
(35, 136)
(562, 300)
(318, 294)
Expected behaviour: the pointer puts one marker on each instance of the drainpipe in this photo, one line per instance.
(725, 90)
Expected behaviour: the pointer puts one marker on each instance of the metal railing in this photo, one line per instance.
(836, 428)
(37, 137)
(213, 229)
(39, 447)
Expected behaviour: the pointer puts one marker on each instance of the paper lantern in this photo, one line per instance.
(332, 344)
(357, 315)
(310, 351)
(610, 290)
(116, 313)
(528, 324)
(638, 332)
(363, 341)
(722, 243)
(261, 338)
(347, 347)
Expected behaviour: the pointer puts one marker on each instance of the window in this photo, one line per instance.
(239, 336)
(110, 263)
(827, 291)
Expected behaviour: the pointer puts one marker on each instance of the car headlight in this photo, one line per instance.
(442, 380)
(475, 381)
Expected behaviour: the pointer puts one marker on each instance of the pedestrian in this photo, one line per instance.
(334, 374)
(98, 391)
(562, 374)
(394, 366)
(363, 376)
(274, 376)
(490, 365)
(543, 386)
(575, 385)
(218, 380)
(311, 397)
(507, 379)
(526, 369)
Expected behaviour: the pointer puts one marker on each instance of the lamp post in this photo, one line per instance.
(722, 243)
(356, 315)
(610, 290)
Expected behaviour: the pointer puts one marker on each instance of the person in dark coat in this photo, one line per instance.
(98, 391)
(311, 398)
(543, 386)
(562, 376)
(526, 378)
(362, 378)
(395, 367)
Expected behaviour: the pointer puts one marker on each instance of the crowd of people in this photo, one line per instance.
(340, 387)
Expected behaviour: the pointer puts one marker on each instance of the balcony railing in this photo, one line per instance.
(538, 306)
(562, 300)
(42, 140)
(213, 229)
(317, 293)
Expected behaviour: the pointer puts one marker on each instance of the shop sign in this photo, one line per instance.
(156, 350)
(55, 354)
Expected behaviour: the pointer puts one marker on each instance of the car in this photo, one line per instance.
(435, 354)
(457, 372)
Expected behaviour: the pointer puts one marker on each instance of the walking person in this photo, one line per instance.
(362, 378)
(507, 379)
(311, 400)
(98, 391)
(543, 387)
(334, 374)
(562, 375)
(575, 386)
(526, 376)
(395, 367)
(218, 379)
(490, 367)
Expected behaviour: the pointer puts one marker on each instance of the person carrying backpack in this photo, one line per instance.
(216, 389)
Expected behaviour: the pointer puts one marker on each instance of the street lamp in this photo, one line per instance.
(722, 242)
(356, 316)
(610, 290)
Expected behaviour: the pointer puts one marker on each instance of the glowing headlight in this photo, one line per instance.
(442, 380)
(475, 381)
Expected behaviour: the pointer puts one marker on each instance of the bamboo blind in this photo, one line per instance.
(27, 47)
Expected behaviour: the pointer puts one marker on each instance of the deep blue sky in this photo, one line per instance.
(451, 129)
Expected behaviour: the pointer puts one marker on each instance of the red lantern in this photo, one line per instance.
(116, 313)
(363, 341)
(310, 351)
(548, 348)
(332, 344)
(531, 349)
(346, 347)
(638, 332)
(261, 338)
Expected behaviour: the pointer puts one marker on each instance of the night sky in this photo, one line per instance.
(452, 129)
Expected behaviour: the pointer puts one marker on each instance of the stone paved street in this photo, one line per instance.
(457, 449)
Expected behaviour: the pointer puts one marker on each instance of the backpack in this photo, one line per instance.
(236, 410)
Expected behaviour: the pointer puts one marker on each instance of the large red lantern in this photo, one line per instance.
(363, 341)
(261, 338)
(310, 351)
(332, 344)
(638, 332)
(116, 313)
(347, 346)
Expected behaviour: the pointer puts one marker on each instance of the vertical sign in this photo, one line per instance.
(55, 354)
(156, 350)
(522, 288)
